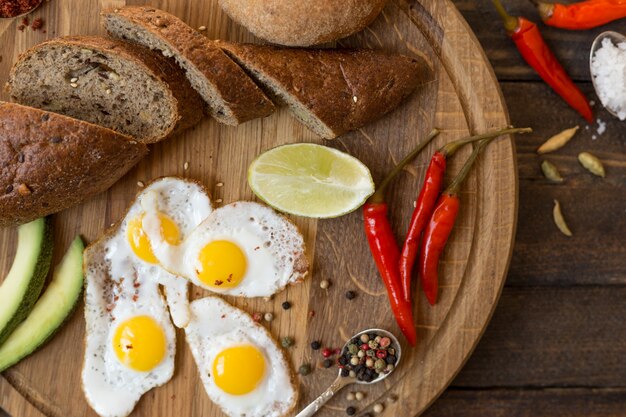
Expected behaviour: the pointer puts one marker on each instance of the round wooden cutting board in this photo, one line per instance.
(459, 94)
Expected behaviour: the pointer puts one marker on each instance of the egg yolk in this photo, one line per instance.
(139, 343)
(222, 264)
(140, 243)
(239, 370)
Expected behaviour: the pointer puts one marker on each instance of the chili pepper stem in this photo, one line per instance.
(510, 23)
(450, 148)
(379, 195)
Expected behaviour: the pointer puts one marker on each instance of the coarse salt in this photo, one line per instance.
(601, 126)
(608, 66)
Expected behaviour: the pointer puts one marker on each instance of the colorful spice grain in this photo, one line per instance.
(287, 341)
(378, 408)
(368, 356)
(37, 24)
(350, 295)
(350, 411)
(305, 369)
(359, 395)
(316, 345)
(286, 305)
(13, 8)
(324, 284)
(268, 317)
(327, 363)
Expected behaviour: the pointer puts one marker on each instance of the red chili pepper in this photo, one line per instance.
(582, 15)
(439, 228)
(427, 199)
(538, 55)
(384, 247)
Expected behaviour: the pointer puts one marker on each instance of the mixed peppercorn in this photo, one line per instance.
(368, 357)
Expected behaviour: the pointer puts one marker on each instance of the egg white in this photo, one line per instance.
(119, 285)
(273, 247)
(216, 325)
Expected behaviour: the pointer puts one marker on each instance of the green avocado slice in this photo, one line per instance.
(53, 308)
(21, 287)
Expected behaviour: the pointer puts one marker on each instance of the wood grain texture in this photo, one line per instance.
(549, 402)
(459, 93)
(552, 337)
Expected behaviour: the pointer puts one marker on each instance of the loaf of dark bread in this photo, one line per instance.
(49, 162)
(232, 97)
(122, 86)
(332, 91)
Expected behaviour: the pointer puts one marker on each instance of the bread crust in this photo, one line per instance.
(242, 97)
(188, 103)
(303, 22)
(50, 162)
(343, 88)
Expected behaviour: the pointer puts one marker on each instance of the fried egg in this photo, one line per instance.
(130, 340)
(241, 367)
(244, 249)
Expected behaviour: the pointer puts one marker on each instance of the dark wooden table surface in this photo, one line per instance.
(556, 345)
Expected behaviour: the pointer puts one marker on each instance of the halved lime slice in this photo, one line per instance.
(310, 180)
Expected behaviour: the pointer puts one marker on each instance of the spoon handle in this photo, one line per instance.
(334, 388)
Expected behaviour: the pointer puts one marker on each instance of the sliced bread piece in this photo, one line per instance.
(50, 162)
(332, 91)
(115, 84)
(231, 95)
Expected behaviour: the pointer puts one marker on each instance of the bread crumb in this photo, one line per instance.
(140, 184)
(73, 80)
(219, 184)
(74, 85)
(23, 189)
(219, 200)
(108, 91)
(202, 28)
(355, 99)
(186, 166)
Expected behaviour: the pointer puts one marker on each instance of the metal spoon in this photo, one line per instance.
(616, 38)
(342, 381)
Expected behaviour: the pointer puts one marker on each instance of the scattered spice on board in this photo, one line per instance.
(559, 220)
(13, 8)
(558, 141)
(551, 172)
(37, 24)
(592, 164)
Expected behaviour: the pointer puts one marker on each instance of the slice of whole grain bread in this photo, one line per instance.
(51, 162)
(332, 91)
(115, 84)
(232, 97)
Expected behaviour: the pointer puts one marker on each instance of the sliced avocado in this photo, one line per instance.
(21, 287)
(55, 305)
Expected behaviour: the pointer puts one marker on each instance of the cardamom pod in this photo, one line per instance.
(550, 171)
(558, 141)
(559, 220)
(591, 163)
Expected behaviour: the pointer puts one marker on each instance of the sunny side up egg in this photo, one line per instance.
(243, 249)
(241, 367)
(130, 340)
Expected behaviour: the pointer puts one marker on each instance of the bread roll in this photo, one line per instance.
(303, 22)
